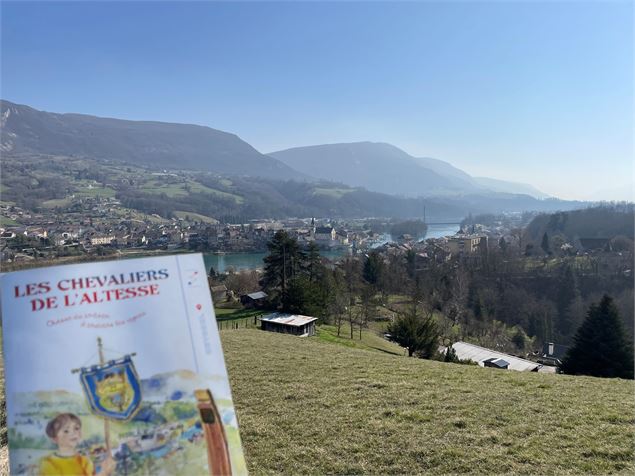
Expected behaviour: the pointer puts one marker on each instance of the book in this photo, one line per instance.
(116, 368)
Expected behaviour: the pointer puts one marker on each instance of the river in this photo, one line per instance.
(242, 261)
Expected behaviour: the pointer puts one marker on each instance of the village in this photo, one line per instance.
(483, 248)
(99, 226)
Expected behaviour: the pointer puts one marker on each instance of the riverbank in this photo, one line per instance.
(221, 262)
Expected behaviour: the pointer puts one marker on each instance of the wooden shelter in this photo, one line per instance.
(289, 324)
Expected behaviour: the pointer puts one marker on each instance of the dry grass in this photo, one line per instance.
(311, 407)
(306, 406)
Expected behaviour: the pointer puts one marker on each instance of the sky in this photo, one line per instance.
(536, 92)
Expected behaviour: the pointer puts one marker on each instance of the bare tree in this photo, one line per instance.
(368, 307)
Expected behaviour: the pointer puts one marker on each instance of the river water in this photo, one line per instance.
(242, 261)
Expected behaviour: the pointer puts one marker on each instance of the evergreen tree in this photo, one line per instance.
(418, 334)
(545, 244)
(502, 244)
(313, 262)
(450, 355)
(601, 347)
(411, 263)
(373, 267)
(302, 297)
(281, 264)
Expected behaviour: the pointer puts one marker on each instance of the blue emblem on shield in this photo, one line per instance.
(113, 389)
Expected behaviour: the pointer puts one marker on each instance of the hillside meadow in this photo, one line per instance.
(315, 406)
(309, 406)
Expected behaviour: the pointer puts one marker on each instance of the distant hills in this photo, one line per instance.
(375, 166)
(28, 131)
(221, 176)
(385, 168)
(378, 167)
(604, 222)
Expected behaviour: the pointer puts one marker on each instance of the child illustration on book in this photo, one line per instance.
(65, 430)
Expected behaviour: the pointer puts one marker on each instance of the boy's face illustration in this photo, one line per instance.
(69, 435)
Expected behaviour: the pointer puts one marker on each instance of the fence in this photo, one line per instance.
(241, 323)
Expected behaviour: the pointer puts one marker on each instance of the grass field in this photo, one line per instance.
(95, 191)
(306, 406)
(6, 221)
(371, 340)
(195, 217)
(332, 192)
(228, 318)
(57, 202)
(179, 190)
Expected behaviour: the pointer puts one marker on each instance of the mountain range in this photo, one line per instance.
(384, 168)
(377, 167)
(176, 146)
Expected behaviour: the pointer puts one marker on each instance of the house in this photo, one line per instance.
(325, 233)
(405, 238)
(595, 244)
(254, 300)
(491, 358)
(100, 240)
(467, 244)
(294, 324)
(553, 353)
(219, 293)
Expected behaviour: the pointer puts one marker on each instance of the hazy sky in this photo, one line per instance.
(539, 92)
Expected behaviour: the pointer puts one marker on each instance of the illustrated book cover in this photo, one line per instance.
(116, 368)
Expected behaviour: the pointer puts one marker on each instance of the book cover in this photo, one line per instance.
(116, 368)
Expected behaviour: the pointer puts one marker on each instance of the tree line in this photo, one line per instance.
(432, 304)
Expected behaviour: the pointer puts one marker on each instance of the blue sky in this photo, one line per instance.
(539, 92)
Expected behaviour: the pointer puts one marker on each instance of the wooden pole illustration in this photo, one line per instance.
(217, 448)
(102, 361)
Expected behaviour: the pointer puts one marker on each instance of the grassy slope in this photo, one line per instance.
(370, 340)
(306, 406)
(195, 217)
(178, 190)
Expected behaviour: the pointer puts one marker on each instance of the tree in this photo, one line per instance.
(519, 340)
(338, 298)
(458, 287)
(303, 297)
(351, 269)
(568, 304)
(281, 264)
(545, 244)
(450, 355)
(601, 348)
(502, 244)
(418, 334)
(411, 263)
(242, 282)
(368, 307)
(313, 265)
(373, 267)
